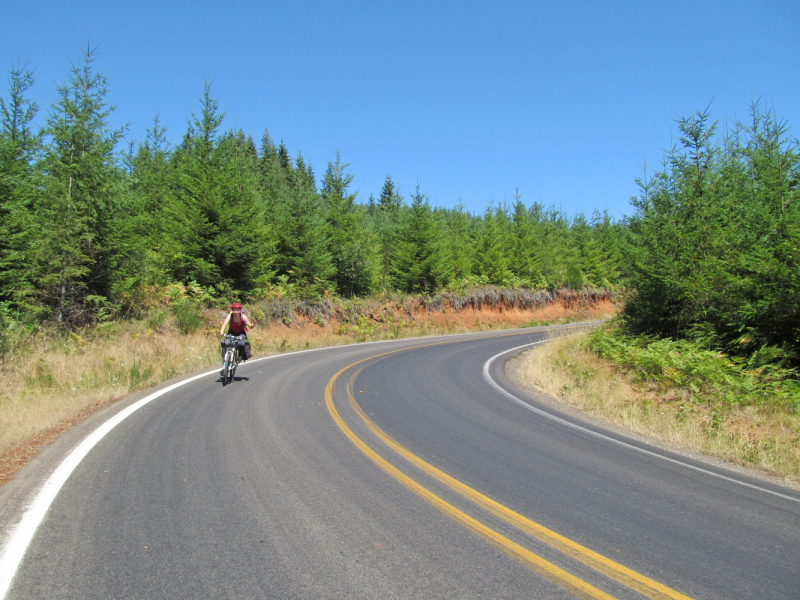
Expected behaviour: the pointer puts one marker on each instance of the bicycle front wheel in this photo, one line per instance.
(227, 373)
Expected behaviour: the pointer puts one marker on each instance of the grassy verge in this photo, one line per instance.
(50, 380)
(676, 392)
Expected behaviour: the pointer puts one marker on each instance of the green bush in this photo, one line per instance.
(715, 237)
(187, 314)
(703, 375)
(156, 318)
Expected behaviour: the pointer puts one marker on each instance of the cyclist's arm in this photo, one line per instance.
(248, 322)
(225, 324)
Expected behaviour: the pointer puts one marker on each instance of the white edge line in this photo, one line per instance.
(21, 535)
(546, 414)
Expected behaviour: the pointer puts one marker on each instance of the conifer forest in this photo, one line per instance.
(93, 222)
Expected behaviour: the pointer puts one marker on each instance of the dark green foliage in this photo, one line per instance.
(354, 252)
(303, 255)
(90, 231)
(715, 237)
(73, 214)
(524, 260)
(18, 149)
(386, 216)
(456, 225)
(419, 260)
(218, 228)
(493, 247)
(595, 267)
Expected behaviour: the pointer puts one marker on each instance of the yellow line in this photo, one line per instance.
(622, 574)
(553, 573)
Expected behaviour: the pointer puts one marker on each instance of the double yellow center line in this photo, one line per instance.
(578, 587)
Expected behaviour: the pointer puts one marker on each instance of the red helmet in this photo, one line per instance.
(236, 305)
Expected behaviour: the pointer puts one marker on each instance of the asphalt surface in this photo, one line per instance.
(253, 490)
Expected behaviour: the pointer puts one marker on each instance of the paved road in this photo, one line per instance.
(406, 475)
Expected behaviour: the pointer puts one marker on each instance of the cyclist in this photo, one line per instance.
(237, 323)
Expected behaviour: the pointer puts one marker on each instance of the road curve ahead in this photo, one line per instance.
(408, 469)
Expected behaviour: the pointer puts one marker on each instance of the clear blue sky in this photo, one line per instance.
(472, 99)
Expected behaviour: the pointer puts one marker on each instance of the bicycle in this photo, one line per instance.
(231, 359)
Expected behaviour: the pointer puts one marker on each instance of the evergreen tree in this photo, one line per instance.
(591, 265)
(245, 247)
(553, 251)
(284, 160)
(303, 255)
(386, 222)
(137, 237)
(419, 261)
(523, 262)
(715, 238)
(456, 229)
(353, 251)
(148, 225)
(18, 152)
(305, 171)
(390, 198)
(611, 237)
(73, 215)
(220, 231)
(492, 247)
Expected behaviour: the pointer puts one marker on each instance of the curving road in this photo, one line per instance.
(409, 469)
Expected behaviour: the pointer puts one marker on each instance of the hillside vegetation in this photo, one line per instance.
(94, 225)
(707, 350)
(124, 246)
(51, 381)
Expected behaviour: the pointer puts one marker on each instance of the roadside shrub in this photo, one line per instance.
(689, 369)
(187, 315)
(156, 318)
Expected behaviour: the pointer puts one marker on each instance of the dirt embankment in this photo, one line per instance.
(36, 411)
(480, 311)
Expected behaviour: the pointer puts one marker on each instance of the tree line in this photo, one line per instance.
(90, 222)
(714, 243)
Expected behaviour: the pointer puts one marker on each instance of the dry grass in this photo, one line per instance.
(757, 437)
(50, 382)
(46, 382)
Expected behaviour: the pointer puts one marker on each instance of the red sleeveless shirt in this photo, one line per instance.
(237, 328)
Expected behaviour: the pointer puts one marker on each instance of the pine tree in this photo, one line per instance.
(303, 254)
(456, 228)
(355, 256)
(492, 247)
(523, 263)
(386, 223)
(591, 265)
(419, 261)
(715, 238)
(390, 198)
(18, 153)
(140, 228)
(553, 253)
(73, 215)
(220, 232)
(245, 247)
(284, 160)
(611, 236)
(305, 171)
